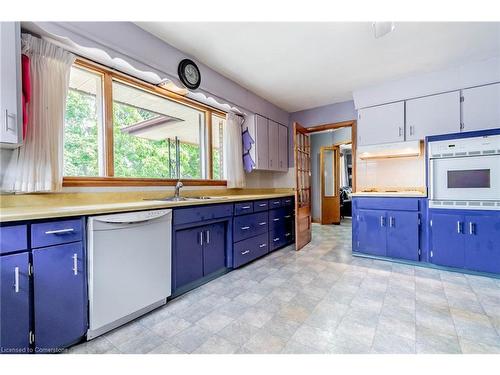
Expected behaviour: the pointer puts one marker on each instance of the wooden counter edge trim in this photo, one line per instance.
(126, 181)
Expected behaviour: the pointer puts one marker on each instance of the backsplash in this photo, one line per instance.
(391, 174)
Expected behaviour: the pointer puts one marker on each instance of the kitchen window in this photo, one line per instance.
(121, 131)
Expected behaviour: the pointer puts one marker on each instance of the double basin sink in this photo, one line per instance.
(181, 199)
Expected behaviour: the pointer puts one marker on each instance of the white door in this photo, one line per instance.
(381, 124)
(273, 145)
(10, 86)
(481, 107)
(431, 115)
(283, 147)
(261, 158)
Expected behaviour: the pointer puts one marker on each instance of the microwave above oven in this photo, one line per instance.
(465, 173)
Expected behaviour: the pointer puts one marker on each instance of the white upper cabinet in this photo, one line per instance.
(381, 124)
(431, 115)
(10, 85)
(273, 145)
(481, 107)
(283, 148)
(258, 129)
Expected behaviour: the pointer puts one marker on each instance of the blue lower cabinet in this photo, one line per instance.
(482, 243)
(403, 235)
(448, 239)
(187, 257)
(15, 305)
(250, 249)
(214, 249)
(277, 239)
(371, 236)
(60, 301)
(247, 226)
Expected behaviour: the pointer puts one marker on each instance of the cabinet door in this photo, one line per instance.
(481, 107)
(60, 302)
(10, 88)
(381, 124)
(372, 232)
(448, 240)
(261, 143)
(214, 248)
(283, 148)
(482, 246)
(431, 115)
(273, 145)
(402, 235)
(14, 306)
(188, 256)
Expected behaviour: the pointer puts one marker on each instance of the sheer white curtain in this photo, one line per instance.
(38, 165)
(233, 152)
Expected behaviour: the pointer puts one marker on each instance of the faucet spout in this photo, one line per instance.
(178, 186)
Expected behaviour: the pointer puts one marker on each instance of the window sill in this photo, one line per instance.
(127, 181)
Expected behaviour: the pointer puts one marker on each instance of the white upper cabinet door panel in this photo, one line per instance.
(381, 124)
(481, 107)
(261, 157)
(431, 115)
(283, 148)
(273, 145)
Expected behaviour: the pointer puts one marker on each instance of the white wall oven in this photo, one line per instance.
(465, 173)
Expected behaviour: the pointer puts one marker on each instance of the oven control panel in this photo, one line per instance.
(487, 145)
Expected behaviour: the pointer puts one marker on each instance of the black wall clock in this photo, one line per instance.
(189, 74)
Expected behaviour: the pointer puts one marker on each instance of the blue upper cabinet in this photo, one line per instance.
(448, 239)
(14, 306)
(60, 296)
(371, 237)
(482, 244)
(403, 235)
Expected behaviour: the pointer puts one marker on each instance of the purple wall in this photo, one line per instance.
(326, 114)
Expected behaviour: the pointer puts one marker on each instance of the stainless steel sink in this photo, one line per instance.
(180, 199)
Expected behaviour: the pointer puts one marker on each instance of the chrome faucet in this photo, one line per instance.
(178, 186)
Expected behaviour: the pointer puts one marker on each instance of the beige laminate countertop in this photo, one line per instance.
(402, 194)
(67, 209)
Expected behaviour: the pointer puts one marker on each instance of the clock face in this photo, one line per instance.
(189, 74)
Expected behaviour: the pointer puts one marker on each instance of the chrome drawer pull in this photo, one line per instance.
(287, 234)
(276, 239)
(245, 228)
(245, 252)
(16, 279)
(472, 228)
(208, 236)
(60, 231)
(263, 223)
(263, 205)
(245, 207)
(75, 264)
(459, 227)
(276, 202)
(263, 245)
(288, 216)
(277, 219)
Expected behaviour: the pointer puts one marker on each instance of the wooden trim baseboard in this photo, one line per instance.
(126, 181)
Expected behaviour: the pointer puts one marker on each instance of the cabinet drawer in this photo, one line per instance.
(243, 208)
(195, 214)
(262, 205)
(13, 238)
(278, 238)
(249, 225)
(56, 232)
(280, 217)
(403, 204)
(275, 203)
(250, 249)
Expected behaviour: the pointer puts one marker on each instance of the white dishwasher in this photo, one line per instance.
(129, 266)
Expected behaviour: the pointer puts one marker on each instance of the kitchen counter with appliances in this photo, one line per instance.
(52, 208)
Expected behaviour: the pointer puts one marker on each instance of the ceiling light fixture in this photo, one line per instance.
(381, 29)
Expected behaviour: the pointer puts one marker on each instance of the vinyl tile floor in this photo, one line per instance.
(320, 300)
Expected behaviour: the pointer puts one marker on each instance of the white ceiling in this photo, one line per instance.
(304, 65)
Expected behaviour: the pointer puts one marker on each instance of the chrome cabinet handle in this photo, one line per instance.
(277, 219)
(245, 228)
(201, 238)
(245, 252)
(391, 221)
(208, 236)
(262, 245)
(12, 116)
(245, 207)
(276, 239)
(75, 264)
(16, 279)
(459, 227)
(287, 234)
(288, 216)
(382, 221)
(263, 205)
(263, 223)
(399, 131)
(60, 231)
(472, 228)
